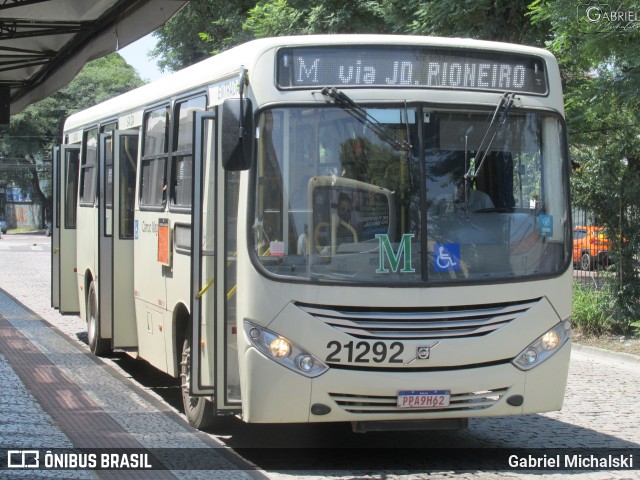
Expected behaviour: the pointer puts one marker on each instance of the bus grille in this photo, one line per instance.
(419, 324)
(386, 404)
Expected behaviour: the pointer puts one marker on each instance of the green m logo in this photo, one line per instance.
(403, 253)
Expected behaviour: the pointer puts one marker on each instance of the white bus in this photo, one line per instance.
(347, 228)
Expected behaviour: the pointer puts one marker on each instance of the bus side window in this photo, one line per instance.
(88, 167)
(182, 158)
(154, 158)
(108, 168)
(269, 209)
(71, 191)
(128, 158)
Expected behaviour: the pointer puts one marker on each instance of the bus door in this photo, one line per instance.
(55, 229)
(125, 158)
(105, 233)
(213, 264)
(118, 157)
(64, 253)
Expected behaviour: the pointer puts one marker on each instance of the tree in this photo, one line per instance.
(199, 30)
(600, 61)
(208, 27)
(283, 17)
(482, 19)
(26, 143)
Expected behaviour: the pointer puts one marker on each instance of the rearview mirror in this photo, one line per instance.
(237, 133)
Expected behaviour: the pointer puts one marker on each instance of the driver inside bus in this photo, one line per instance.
(473, 199)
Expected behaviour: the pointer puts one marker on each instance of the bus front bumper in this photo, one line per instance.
(273, 394)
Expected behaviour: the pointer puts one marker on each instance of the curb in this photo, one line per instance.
(596, 352)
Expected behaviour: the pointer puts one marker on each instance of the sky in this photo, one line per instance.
(136, 55)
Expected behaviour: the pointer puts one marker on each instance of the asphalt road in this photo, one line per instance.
(601, 411)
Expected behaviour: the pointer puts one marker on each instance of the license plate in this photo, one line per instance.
(423, 398)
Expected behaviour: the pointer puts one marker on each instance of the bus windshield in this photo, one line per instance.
(335, 200)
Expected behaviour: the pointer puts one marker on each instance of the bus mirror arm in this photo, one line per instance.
(237, 126)
(241, 82)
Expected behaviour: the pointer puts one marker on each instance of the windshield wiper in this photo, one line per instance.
(503, 107)
(364, 117)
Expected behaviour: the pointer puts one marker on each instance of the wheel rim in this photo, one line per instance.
(586, 261)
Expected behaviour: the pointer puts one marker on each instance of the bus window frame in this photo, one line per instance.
(156, 157)
(175, 153)
(70, 205)
(120, 219)
(420, 107)
(86, 168)
(107, 127)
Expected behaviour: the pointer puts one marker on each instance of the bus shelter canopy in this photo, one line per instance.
(45, 43)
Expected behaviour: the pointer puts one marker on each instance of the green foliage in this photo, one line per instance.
(592, 311)
(600, 62)
(483, 19)
(98, 81)
(290, 17)
(38, 128)
(274, 19)
(178, 43)
(199, 30)
(31, 134)
(208, 27)
(356, 16)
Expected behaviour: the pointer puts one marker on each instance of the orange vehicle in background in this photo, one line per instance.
(591, 247)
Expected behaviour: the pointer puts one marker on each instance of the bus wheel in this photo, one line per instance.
(98, 345)
(199, 410)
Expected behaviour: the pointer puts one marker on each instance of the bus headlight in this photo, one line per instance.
(550, 340)
(280, 347)
(284, 351)
(544, 347)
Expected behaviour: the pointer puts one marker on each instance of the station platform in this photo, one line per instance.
(66, 414)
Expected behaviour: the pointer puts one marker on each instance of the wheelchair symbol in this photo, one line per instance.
(447, 257)
(444, 259)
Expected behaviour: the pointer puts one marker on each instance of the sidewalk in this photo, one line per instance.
(55, 395)
(626, 358)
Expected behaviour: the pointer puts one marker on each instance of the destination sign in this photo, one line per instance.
(418, 67)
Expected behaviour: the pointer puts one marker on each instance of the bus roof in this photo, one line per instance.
(226, 64)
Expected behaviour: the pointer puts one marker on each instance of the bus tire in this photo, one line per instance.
(198, 410)
(98, 345)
